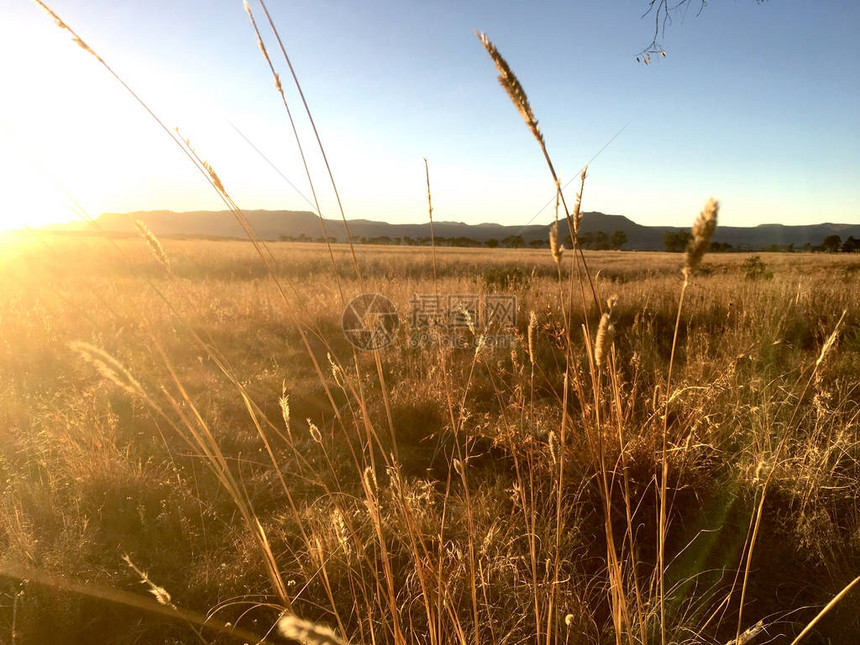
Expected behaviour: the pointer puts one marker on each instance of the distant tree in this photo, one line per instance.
(596, 240)
(514, 241)
(536, 244)
(851, 245)
(492, 243)
(832, 243)
(676, 242)
(601, 241)
(382, 239)
(618, 239)
(586, 240)
(464, 241)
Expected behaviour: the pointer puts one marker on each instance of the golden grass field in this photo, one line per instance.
(666, 451)
(423, 495)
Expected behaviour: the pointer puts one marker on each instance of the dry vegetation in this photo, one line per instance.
(477, 523)
(667, 454)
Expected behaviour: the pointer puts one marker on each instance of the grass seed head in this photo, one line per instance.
(315, 432)
(552, 442)
(62, 25)
(508, 80)
(749, 635)
(160, 593)
(307, 632)
(603, 341)
(831, 340)
(370, 481)
(577, 207)
(284, 402)
(153, 242)
(611, 301)
(515, 359)
(216, 181)
(532, 336)
(703, 231)
(336, 371)
(108, 367)
(556, 248)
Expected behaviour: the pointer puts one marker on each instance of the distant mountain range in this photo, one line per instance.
(276, 225)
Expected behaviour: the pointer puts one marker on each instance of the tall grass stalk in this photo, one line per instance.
(213, 451)
(703, 230)
(481, 555)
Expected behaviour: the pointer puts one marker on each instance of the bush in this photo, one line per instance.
(503, 277)
(755, 269)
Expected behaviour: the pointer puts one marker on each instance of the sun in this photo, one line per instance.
(31, 201)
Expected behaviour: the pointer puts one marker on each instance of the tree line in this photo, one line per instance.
(598, 241)
(676, 242)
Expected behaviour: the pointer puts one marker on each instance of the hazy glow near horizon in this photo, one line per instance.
(755, 104)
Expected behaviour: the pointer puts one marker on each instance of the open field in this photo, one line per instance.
(250, 459)
(543, 447)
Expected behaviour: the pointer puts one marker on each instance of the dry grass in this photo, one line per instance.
(643, 468)
(91, 473)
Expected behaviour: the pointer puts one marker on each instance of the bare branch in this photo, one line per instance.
(662, 12)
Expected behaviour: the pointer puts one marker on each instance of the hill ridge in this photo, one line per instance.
(290, 224)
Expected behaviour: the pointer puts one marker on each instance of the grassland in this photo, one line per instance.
(250, 460)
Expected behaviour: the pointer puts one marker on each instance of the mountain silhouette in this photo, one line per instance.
(285, 224)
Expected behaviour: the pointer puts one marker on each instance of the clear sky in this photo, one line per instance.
(755, 104)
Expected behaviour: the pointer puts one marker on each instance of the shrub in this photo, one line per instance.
(503, 277)
(755, 269)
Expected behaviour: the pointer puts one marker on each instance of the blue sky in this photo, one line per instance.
(755, 104)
